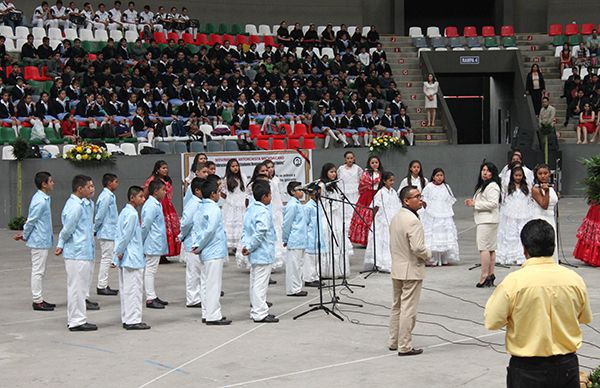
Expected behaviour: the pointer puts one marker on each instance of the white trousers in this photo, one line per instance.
(294, 263)
(106, 250)
(87, 294)
(131, 286)
(309, 268)
(149, 275)
(78, 284)
(38, 271)
(212, 277)
(259, 282)
(192, 278)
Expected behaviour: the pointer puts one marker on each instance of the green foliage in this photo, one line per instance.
(17, 223)
(592, 181)
(20, 148)
(595, 378)
(546, 129)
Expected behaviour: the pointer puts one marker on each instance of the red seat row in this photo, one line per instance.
(571, 29)
(212, 39)
(471, 31)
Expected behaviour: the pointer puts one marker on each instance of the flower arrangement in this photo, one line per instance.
(85, 152)
(387, 143)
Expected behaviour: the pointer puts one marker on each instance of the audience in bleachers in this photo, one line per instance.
(170, 81)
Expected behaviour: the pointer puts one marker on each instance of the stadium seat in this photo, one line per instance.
(470, 31)
(7, 32)
(214, 146)
(421, 42)
(507, 31)
(54, 33)
(54, 43)
(263, 29)
(299, 131)
(308, 143)
(86, 35)
(451, 32)
(351, 30)
(141, 146)
(559, 40)
(251, 29)
(241, 39)
(415, 32)
(9, 44)
(187, 38)
(67, 148)
(173, 35)
(586, 29)
(230, 38)
(202, 40)
(25, 133)
(128, 149)
(117, 35)
(457, 43)
(131, 36)
(215, 38)
(365, 30)
(196, 146)
(571, 29)
(278, 144)
(21, 32)
(269, 41)
(263, 144)
(112, 148)
(210, 28)
(473, 42)
(491, 43)
(320, 29)
(236, 29)
(327, 51)
(487, 31)
(7, 153)
(179, 147)
(433, 32)
(509, 43)
(438, 43)
(231, 145)
(8, 134)
(164, 147)
(32, 73)
(101, 36)
(555, 30)
(223, 28)
(567, 72)
(159, 37)
(574, 40)
(71, 34)
(254, 39)
(38, 33)
(293, 143)
(19, 44)
(254, 131)
(52, 149)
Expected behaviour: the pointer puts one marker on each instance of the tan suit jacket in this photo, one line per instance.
(407, 246)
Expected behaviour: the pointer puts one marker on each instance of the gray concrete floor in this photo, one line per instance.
(36, 350)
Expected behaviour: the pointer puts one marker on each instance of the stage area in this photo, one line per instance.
(37, 350)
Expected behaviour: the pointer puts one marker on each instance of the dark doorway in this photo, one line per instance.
(458, 13)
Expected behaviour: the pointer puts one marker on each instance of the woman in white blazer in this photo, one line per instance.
(486, 203)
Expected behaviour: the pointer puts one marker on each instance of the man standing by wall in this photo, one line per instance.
(542, 305)
(409, 256)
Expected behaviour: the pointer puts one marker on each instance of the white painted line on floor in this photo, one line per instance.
(466, 230)
(350, 362)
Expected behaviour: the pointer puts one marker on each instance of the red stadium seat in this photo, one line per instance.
(308, 144)
(254, 39)
(92, 57)
(263, 143)
(555, 29)
(159, 37)
(215, 38)
(571, 29)
(278, 144)
(507, 31)
(230, 38)
(470, 32)
(270, 40)
(451, 32)
(32, 73)
(299, 131)
(254, 131)
(586, 29)
(187, 38)
(488, 31)
(173, 35)
(243, 39)
(294, 143)
(201, 40)
(288, 129)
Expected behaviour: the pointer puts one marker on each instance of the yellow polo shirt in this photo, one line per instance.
(541, 305)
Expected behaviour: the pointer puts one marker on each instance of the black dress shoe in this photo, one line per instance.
(163, 302)
(269, 304)
(191, 306)
(299, 293)
(164, 260)
(107, 291)
(222, 293)
(153, 304)
(222, 322)
(41, 307)
(315, 283)
(268, 319)
(84, 327)
(392, 349)
(92, 306)
(204, 319)
(412, 352)
(136, 326)
(48, 304)
(271, 281)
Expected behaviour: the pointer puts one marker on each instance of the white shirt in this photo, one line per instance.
(56, 12)
(4, 6)
(146, 17)
(130, 16)
(413, 182)
(350, 178)
(115, 15)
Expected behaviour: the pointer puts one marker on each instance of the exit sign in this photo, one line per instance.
(469, 60)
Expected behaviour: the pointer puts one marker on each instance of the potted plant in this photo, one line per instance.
(20, 152)
(546, 130)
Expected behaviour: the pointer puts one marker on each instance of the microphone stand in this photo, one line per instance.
(321, 304)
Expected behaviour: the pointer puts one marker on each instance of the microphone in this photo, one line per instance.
(332, 182)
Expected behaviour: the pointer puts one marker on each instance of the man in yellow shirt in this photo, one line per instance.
(542, 305)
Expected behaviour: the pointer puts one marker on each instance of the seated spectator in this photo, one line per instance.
(404, 127)
(364, 57)
(5, 58)
(576, 107)
(587, 125)
(311, 37)
(241, 124)
(581, 56)
(593, 43)
(142, 126)
(328, 36)
(68, 129)
(42, 16)
(347, 128)
(373, 37)
(29, 54)
(60, 15)
(7, 111)
(12, 17)
(566, 60)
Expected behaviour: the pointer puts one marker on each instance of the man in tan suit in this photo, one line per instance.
(409, 256)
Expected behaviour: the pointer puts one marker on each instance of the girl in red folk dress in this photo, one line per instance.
(161, 171)
(363, 216)
(587, 248)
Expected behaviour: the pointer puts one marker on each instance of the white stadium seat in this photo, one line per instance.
(21, 32)
(110, 147)
(53, 149)
(327, 51)
(54, 43)
(366, 30)
(415, 32)
(86, 35)
(263, 29)
(7, 32)
(7, 153)
(9, 44)
(433, 32)
(128, 149)
(141, 146)
(101, 36)
(38, 33)
(251, 29)
(131, 36)
(71, 33)
(54, 33)
(117, 35)
(320, 30)
(19, 44)
(351, 30)
(304, 29)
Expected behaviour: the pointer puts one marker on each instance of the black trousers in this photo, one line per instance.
(543, 372)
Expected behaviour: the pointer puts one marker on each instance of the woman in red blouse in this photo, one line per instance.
(367, 187)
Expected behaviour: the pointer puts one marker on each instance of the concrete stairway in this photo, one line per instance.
(402, 58)
(537, 48)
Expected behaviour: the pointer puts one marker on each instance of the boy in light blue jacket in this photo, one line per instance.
(154, 235)
(258, 242)
(105, 230)
(192, 262)
(76, 244)
(129, 259)
(293, 236)
(38, 236)
(210, 242)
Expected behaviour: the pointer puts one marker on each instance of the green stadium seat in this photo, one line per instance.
(237, 29)
(559, 40)
(51, 136)
(8, 134)
(509, 41)
(223, 28)
(490, 41)
(25, 133)
(210, 28)
(574, 40)
(227, 116)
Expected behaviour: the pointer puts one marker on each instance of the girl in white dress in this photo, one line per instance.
(386, 204)
(430, 89)
(437, 218)
(277, 211)
(515, 211)
(545, 199)
(349, 173)
(331, 199)
(233, 192)
(414, 176)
